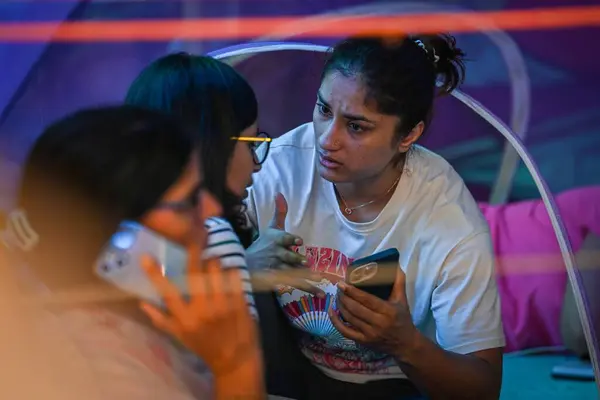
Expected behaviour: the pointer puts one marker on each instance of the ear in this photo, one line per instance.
(411, 138)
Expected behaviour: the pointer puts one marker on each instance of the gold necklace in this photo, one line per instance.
(349, 210)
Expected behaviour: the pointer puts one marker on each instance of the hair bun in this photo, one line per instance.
(447, 58)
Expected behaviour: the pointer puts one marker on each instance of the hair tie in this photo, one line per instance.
(18, 232)
(420, 43)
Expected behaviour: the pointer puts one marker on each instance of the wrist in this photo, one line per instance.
(412, 349)
(242, 381)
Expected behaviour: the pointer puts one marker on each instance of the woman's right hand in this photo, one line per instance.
(271, 258)
(214, 323)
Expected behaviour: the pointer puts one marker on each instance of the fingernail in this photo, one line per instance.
(298, 242)
(321, 295)
(342, 286)
(304, 262)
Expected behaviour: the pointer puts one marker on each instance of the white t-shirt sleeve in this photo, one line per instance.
(465, 302)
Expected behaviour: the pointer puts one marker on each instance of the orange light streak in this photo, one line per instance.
(327, 26)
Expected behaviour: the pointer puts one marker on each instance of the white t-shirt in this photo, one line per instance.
(433, 221)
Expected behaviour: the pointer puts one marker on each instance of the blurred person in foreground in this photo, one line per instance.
(35, 364)
(86, 174)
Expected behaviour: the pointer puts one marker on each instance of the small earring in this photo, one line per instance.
(405, 149)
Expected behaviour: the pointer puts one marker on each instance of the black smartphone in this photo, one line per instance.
(376, 273)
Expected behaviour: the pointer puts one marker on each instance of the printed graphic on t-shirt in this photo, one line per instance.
(322, 343)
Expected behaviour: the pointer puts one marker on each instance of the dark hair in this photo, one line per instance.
(88, 172)
(400, 76)
(217, 103)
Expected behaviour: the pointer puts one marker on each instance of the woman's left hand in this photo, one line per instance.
(385, 325)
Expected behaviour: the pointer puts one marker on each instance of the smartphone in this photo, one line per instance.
(119, 261)
(376, 273)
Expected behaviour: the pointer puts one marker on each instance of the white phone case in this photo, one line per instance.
(119, 262)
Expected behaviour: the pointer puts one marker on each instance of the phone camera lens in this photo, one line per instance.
(122, 261)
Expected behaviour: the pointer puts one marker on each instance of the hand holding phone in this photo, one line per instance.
(119, 262)
(376, 273)
(383, 322)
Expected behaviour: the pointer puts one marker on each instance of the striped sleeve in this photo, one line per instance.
(223, 243)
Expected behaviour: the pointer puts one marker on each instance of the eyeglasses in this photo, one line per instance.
(259, 144)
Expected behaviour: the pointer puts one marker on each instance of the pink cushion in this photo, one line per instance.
(531, 273)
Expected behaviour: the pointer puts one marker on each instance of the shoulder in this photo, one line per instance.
(98, 322)
(127, 360)
(452, 231)
(448, 207)
(223, 243)
(433, 168)
(101, 333)
(289, 169)
(217, 224)
(292, 149)
(299, 138)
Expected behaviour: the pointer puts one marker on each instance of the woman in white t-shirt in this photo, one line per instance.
(352, 183)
